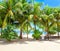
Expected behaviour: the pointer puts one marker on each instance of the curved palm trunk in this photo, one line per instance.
(35, 25)
(47, 33)
(1, 31)
(47, 28)
(27, 36)
(58, 30)
(58, 35)
(48, 36)
(34, 20)
(21, 33)
(27, 31)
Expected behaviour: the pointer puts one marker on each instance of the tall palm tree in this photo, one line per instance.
(22, 14)
(8, 11)
(36, 13)
(47, 19)
(57, 18)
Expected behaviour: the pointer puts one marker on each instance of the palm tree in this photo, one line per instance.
(57, 18)
(36, 13)
(22, 14)
(47, 19)
(2, 15)
(27, 28)
(8, 11)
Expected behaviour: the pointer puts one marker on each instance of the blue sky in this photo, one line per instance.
(51, 3)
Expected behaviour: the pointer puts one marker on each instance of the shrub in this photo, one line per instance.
(52, 32)
(9, 34)
(37, 34)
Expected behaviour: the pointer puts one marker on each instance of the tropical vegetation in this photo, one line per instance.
(27, 16)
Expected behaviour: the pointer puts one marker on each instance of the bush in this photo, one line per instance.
(52, 32)
(37, 34)
(8, 33)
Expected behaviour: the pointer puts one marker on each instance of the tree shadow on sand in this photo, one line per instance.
(24, 41)
(20, 41)
(4, 42)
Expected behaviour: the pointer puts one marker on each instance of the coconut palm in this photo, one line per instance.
(8, 10)
(27, 28)
(2, 15)
(36, 13)
(47, 19)
(22, 14)
(57, 18)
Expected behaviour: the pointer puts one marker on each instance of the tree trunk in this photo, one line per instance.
(1, 31)
(48, 36)
(58, 35)
(27, 31)
(58, 29)
(47, 28)
(35, 17)
(27, 36)
(21, 33)
(35, 25)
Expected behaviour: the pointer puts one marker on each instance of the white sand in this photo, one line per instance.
(31, 45)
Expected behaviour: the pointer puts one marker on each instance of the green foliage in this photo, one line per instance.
(52, 32)
(9, 34)
(26, 14)
(36, 34)
(0, 21)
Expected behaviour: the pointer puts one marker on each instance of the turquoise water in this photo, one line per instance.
(18, 31)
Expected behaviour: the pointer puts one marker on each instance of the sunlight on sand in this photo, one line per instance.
(30, 45)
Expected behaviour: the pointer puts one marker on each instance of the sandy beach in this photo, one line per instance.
(30, 45)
